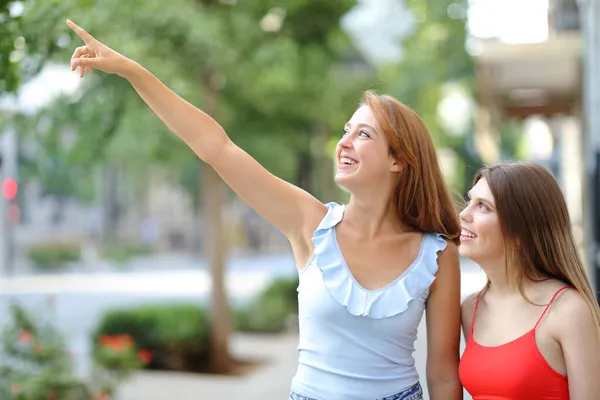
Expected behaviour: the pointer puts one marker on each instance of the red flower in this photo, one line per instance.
(15, 387)
(144, 356)
(51, 396)
(25, 337)
(116, 343)
(101, 396)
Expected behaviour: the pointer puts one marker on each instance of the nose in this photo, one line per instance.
(346, 141)
(465, 214)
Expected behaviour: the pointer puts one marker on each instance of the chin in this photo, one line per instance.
(357, 182)
(347, 182)
(341, 179)
(464, 251)
(470, 254)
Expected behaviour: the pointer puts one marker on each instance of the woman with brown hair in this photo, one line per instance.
(367, 269)
(533, 332)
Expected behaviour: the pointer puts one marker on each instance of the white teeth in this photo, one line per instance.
(468, 234)
(346, 160)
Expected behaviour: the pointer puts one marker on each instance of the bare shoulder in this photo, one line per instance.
(449, 254)
(301, 243)
(571, 320)
(573, 325)
(571, 313)
(448, 272)
(315, 212)
(469, 302)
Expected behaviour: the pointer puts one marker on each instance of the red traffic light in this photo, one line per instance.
(9, 188)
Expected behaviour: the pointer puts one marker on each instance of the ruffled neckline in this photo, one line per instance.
(384, 302)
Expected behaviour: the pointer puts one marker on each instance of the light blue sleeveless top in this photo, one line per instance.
(358, 344)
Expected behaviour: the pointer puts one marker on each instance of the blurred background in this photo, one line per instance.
(129, 271)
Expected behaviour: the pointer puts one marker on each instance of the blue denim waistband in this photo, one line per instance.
(415, 392)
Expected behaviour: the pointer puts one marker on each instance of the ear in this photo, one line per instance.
(396, 166)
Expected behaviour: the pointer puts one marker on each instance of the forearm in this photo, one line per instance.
(445, 390)
(196, 128)
(443, 381)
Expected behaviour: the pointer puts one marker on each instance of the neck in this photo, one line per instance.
(496, 274)
(373, 214)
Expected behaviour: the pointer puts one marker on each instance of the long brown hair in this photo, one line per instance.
(536, 228)
(421, 197)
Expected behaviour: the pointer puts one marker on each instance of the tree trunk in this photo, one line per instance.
(324, 167)
(197, 246)
(215, 247)
(305, 170)
(109, 214)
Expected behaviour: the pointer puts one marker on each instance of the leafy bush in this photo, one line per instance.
(176, 335)
(54, 255)
(271, 311)
(35, 364)
(115, 357)
(123, 252)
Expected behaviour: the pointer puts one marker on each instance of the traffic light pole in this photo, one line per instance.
(590, 15)
(9, 170)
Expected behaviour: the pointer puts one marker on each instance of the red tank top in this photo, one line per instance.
(512, 371)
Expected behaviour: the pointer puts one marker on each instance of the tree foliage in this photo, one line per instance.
(278, 85)
(29, 37)
(435, 54)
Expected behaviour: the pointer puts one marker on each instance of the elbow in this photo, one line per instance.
(210, 148)
(442, 373)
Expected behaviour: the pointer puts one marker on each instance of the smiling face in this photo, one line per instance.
(363, 154)
(481, 236)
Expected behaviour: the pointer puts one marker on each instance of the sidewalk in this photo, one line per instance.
(269, 381)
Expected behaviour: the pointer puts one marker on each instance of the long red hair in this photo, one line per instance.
(421, 197)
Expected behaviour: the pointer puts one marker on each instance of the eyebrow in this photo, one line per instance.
(362, 125)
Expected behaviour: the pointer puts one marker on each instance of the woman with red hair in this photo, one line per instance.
(368, 269)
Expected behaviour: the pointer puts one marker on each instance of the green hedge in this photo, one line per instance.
(271, 311)
(175, 334)
(53, 255)
(122, 252)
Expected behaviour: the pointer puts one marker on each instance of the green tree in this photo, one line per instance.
(9, 26)
(435, 54)
(28, 38)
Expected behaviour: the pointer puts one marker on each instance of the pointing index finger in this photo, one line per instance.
(80, 31)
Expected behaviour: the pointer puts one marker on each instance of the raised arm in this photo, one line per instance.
(290, 209)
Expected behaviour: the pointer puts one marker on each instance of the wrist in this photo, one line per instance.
(130, 70)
